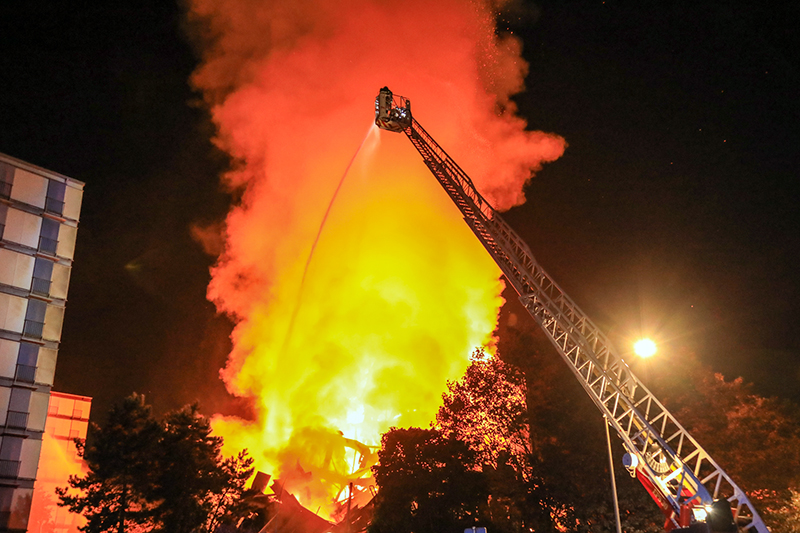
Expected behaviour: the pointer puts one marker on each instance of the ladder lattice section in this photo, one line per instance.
(674, 462)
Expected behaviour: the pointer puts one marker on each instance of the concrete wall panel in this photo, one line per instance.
(22, 228)
(5, 396)
(38, 411)
(29, 188)
(72, 202)
(53, 321)
(12, 312)
(46, 366)
(66, 241)
(60, 281)
(29, 458)
(16, 269)
(8, 358)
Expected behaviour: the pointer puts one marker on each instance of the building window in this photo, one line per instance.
(17, 419)
(9, 468)
(18, 406)
(48, 239)
(10, 452)
(42, 274)
(54, 203)
(6, 179)
(34, 319)
(25, 373)
(27, 359)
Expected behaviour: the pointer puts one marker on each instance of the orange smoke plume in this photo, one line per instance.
(364, 334)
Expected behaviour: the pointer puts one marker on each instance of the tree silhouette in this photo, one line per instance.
(116, 492)
(486, 409)
(146, 475)
(537, 458)
(235, 501)
(427, 482)
(754, 438)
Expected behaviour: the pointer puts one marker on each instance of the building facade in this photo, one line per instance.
(39, 212)
(67, 420)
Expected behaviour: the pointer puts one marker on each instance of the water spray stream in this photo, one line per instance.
(299, 298)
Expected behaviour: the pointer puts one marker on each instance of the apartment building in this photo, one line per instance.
(39, 212)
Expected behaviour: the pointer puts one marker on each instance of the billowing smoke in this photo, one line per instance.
(398, 291)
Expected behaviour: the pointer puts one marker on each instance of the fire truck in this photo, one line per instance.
(691, 489)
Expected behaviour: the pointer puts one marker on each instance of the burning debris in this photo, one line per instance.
(281, 512)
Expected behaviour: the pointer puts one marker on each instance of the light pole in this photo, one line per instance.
(644, 348)
(613, 477)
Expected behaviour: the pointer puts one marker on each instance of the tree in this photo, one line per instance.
(427, 483)
(787, 517)
(149, 476)
(189, 471)
(569, 458)
(235, 501)
(560, 484)
(115, 493)
(486, 409)
(755, 439)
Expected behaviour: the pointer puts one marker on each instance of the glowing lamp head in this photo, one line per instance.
(645, 348)
(701, 513)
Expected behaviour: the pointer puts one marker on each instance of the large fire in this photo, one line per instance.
(337, 347)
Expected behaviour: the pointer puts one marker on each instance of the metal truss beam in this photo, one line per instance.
(677, 466)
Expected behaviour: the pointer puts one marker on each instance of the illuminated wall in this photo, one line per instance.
(67, 419)
(39, 213)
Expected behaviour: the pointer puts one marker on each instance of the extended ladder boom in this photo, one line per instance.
(677, 472)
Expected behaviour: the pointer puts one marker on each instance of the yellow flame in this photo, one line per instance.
(399, 291)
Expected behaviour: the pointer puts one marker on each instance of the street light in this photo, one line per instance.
(645, 348)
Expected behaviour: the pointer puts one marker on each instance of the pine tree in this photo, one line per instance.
(149, 476)
(189, 472)
(115, 493)
(235, 501)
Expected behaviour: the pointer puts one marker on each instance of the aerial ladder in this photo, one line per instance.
(691, 489)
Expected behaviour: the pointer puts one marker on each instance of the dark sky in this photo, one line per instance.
(674, 206)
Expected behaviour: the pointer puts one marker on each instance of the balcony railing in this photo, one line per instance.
(25, 373)
(51, 205)
(33, 329)
(9, 468)
(41, 286)
(17, 420)
(48, 245)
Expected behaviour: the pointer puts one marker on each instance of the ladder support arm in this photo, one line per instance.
(662, 451)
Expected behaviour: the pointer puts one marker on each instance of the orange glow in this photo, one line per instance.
(399, 291)
(67, 419)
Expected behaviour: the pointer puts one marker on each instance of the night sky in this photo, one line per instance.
(672, 211)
